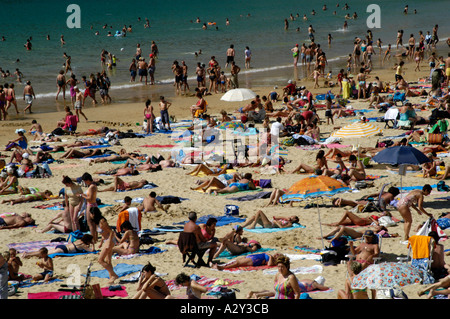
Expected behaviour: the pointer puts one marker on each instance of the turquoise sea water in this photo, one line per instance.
(257, 24)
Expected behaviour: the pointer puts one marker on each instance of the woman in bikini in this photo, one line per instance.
(72, 200)
(193, 289)
(149, 116)
(129, 243)
(150, 285)
(11, 183)
(199, 107)
(276, 222)
(39, 196)
(413, 199)
(286, 284)
(255, 260)
(321, 164)
(107, 244)
(82, 245)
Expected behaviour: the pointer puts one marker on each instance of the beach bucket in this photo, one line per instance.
(231, 210)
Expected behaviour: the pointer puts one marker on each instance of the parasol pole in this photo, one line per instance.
(320, 225)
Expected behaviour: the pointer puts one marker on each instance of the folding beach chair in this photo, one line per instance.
(374, 203)
(399, 97)
(391, 116)
(187, 244)
(419, 255)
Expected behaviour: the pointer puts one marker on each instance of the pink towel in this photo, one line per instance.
(57, 294)
(337, 145)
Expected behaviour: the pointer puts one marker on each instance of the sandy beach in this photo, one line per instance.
(175, 181)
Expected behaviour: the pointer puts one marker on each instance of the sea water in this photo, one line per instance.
(173, 26)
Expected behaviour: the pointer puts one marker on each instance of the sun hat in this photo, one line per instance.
(320, 280)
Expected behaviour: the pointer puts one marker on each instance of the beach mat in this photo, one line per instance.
(106, 293)
(35, 245)
(120, 269)
(142, 252)
(262, 230)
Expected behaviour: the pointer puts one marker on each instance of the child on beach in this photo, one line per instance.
(36, 129)
(45, 263)
(316, 74)
(14, 263)
(164, 109)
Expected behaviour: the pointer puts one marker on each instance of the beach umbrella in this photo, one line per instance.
(401, 155)
(314, 187)
(388, 275)
(237, 95)
(357, 130)
(398, 155)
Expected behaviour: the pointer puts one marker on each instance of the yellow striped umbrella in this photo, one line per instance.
(357, 130)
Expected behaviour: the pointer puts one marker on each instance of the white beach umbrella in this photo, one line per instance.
(237, 95)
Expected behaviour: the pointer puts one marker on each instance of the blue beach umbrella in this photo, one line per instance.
(398, 155)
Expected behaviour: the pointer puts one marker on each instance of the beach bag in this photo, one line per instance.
(386, 221)
(75, 235)
(360, 185)
(391, 293)
(226, 293)
(231, 210)
(265, 183)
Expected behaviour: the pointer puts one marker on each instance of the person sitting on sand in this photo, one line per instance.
(277, 222)
(79, 246)
(61, 223)
(121, 186)
(129, 243)
(150, 203)
(14, 264)
(10, 183)
(193, 289)
(275, 197)
(244, 184)
(321, 163)
(151, 285)
(255, 260)
(39, 196)
(287, 285)
(46, 263)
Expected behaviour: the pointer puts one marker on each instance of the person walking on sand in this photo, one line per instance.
(107, 244)
(10, 96)
(234, 75)
(28, 96)
(79, 103)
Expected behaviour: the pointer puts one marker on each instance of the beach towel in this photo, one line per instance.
(238, 270)
(148, 186)
(30, 283)
(221, 220)
(205, 282)
(158, 145)
(106, 293)
(133, 215)
(299, 270)
(95, 146)
(142, 252)
(227, 255)
(120, 269)
(35, 245)
(71, 254)
(371, 177)
(262, 230)
(245, 198)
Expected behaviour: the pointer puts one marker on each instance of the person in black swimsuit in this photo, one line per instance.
(85, 244)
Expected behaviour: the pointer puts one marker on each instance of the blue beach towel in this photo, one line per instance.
(262, 230)
(120, 269)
